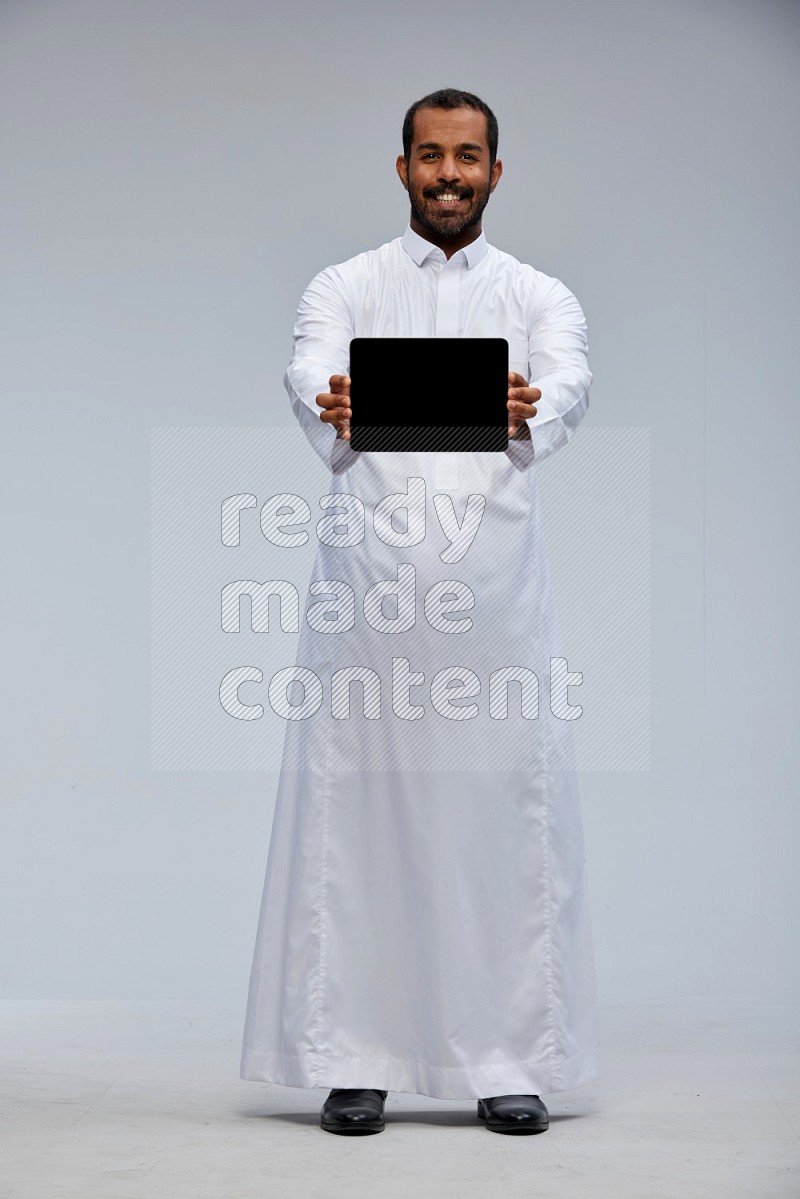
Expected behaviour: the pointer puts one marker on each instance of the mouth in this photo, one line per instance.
(448, 200)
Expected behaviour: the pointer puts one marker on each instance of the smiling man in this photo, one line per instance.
(449, 174)
(425, 923)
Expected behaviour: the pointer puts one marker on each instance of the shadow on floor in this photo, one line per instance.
(450, 1119)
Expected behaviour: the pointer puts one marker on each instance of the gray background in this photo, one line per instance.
(174, 174)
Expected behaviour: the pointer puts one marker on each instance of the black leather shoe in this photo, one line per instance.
(514, 1113)
(353, 1111)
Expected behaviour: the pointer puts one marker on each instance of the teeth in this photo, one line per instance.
(448, 198)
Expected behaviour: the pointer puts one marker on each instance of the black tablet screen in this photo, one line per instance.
(429, 394)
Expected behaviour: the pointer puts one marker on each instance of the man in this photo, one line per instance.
(425, 924)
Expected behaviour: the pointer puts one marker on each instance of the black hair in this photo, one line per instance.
(451, 97)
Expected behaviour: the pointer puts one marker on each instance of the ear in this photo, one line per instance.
(495, 174)
(402, 170)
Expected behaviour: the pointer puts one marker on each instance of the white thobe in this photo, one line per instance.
(425, 923)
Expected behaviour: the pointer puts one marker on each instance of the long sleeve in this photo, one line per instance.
(322, 333)
(558, 363)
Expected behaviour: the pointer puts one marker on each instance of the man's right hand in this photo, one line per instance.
(335, 405)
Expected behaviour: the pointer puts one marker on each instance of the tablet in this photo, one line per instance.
(421, 394)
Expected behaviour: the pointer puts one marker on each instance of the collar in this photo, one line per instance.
(418, 248)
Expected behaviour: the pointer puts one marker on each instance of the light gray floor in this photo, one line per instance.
(699, 1097)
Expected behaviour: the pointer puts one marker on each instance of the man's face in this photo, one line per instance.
(449, 158)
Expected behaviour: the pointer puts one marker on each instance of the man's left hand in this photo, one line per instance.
(520, 406)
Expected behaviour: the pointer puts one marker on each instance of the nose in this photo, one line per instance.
(449, 170)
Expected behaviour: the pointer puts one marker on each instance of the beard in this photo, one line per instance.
(446, 224)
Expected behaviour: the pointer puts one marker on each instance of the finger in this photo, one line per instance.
(521, 411)
(336, 408)
(339, 383)
(524, 393)
(516, 380)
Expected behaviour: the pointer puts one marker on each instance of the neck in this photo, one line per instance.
(450, 245)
